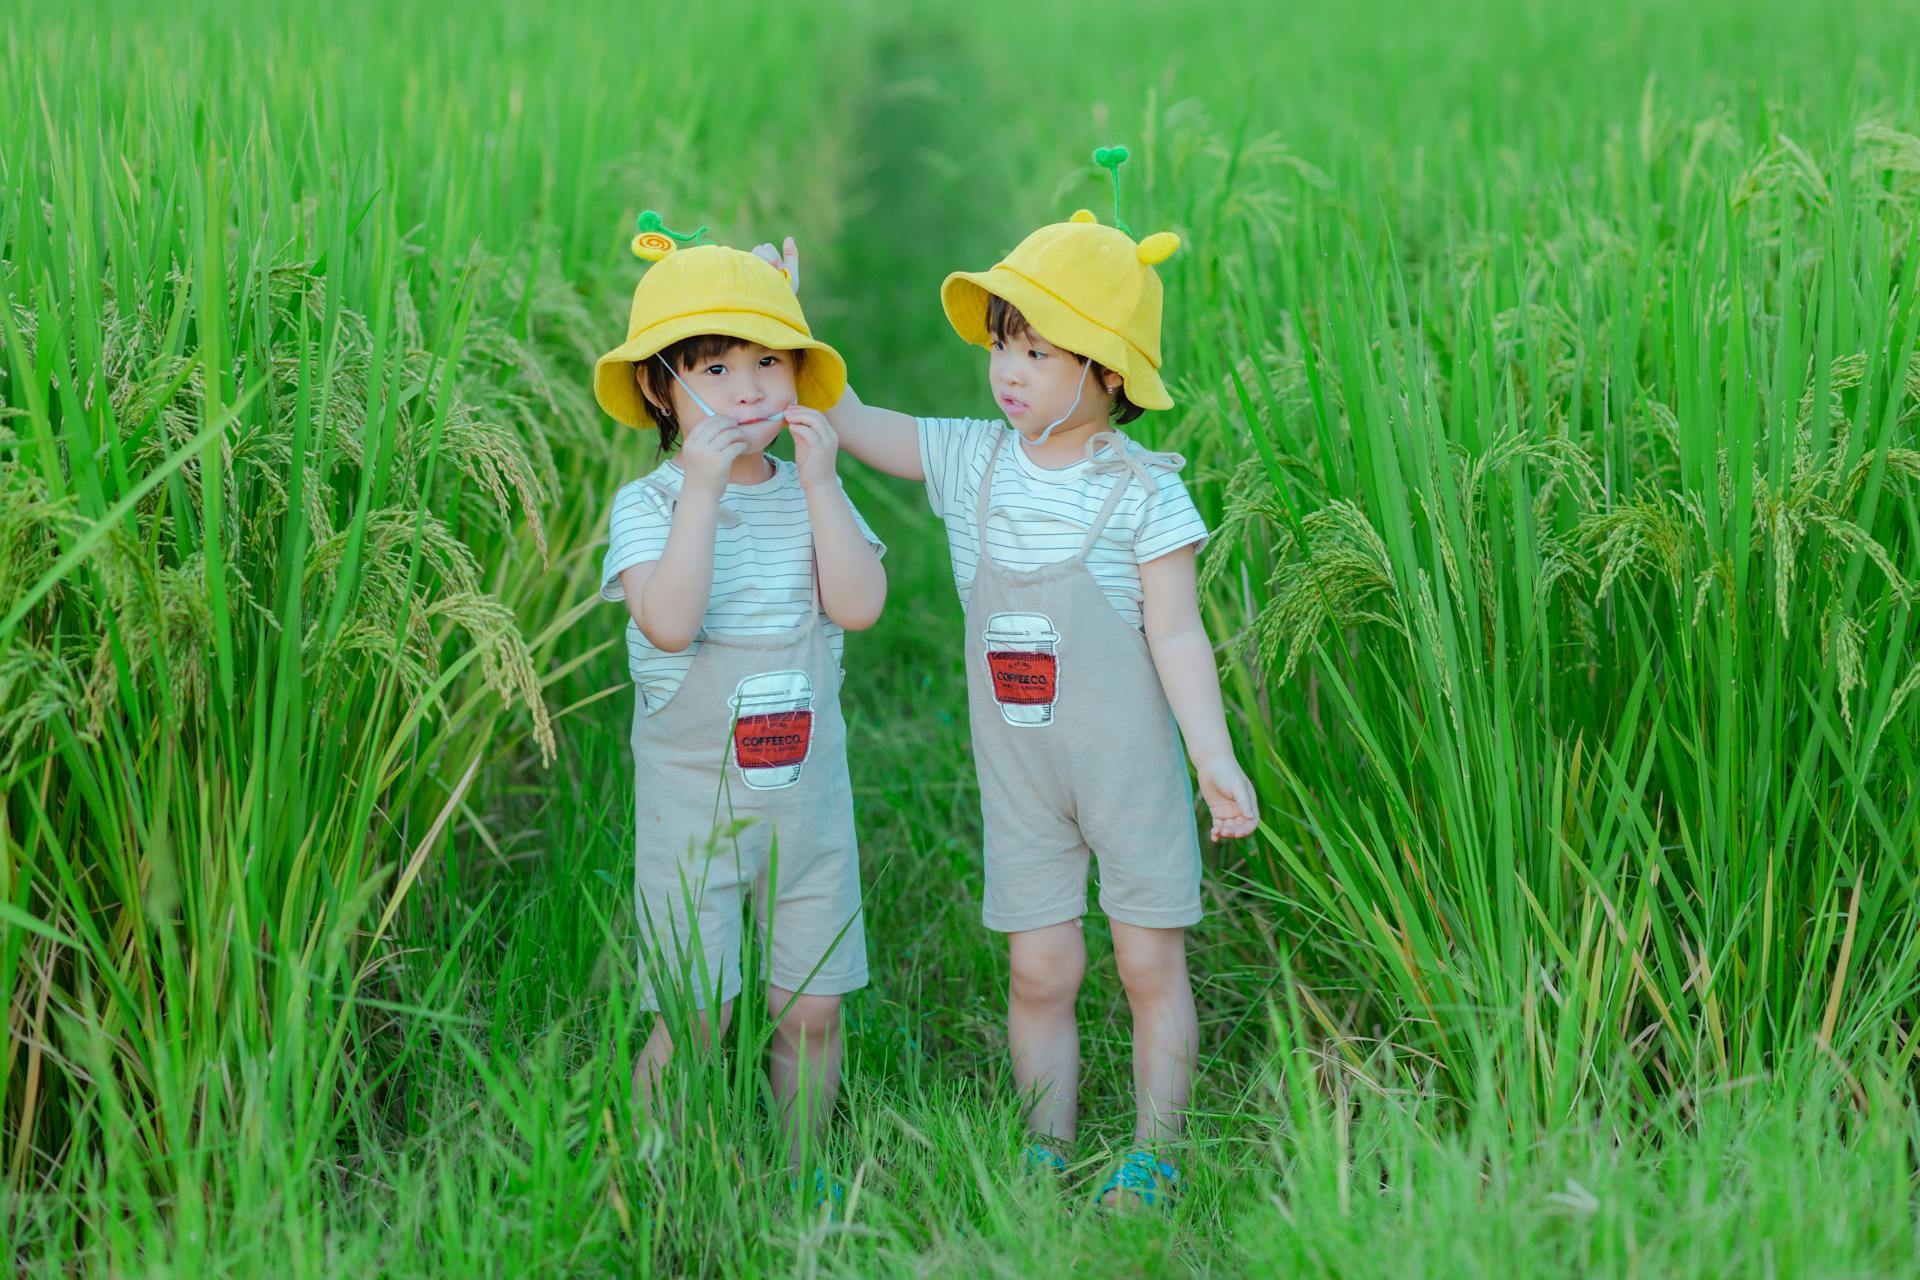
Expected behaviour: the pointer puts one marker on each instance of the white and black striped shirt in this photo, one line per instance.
(762, 566)
(1040, 516)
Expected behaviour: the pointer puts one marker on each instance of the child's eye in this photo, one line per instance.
(767, 362)
(715, 370)
(1037, 355)
(999, 345)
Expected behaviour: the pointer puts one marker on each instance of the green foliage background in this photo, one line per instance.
(1548, 372)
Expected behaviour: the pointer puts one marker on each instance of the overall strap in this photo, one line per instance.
(986, 489)
(722, 517)
(1131, 462)
(813, 575)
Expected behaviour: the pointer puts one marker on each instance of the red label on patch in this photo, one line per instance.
(1022, 679)
(772, 741)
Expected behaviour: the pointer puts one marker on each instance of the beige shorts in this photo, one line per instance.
(1037, 857)
(810, 929)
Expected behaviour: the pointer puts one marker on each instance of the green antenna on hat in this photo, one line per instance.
(1110, 159)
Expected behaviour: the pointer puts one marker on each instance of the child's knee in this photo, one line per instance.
(1151, 965)
(702, 1032)
(1047, 976)
(816, 1018)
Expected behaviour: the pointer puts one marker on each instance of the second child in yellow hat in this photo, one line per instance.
(741, 573)
(1074, 552)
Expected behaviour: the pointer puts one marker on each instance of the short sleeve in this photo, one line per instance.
(636, 533)
(1170, 521)
(866, 530)
(951, 451)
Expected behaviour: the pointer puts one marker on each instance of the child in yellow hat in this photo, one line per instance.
(740, 573)
(1074, 552)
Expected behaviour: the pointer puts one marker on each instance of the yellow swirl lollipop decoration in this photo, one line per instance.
(655, 239)
(652, 246)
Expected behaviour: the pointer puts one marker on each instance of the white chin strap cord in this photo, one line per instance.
(706, 408)
(1078, 390)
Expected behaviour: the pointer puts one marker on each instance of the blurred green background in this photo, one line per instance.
(1547, 371)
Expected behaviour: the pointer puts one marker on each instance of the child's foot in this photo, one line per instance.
(1040, 1158)
(1142, 1180)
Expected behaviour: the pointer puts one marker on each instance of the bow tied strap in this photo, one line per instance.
(1127, 456)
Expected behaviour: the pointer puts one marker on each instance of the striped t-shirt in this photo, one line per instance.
(762, 565)
(1040, 516)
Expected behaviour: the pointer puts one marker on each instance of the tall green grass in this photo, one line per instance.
(1570, 528)
(296, 449)
(1548, 372)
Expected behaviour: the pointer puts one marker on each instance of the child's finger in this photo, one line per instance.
(1244, 799)
(792, 257)
(718, 431)
(1233, 828)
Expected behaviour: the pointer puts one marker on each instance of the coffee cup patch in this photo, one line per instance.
(1023, 662)
(772, 728)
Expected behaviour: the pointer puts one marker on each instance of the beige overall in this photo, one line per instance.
(748, 757)
(1075, 745)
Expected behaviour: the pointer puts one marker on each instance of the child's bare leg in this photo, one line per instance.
(806, 1055)
(1047, 966)
(1166, 1032)
(649, 1068)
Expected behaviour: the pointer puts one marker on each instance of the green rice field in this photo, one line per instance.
(1550, 374)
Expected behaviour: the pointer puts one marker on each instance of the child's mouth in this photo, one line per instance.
(1013, 407)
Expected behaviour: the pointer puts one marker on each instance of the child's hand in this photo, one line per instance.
(1229, 795)
(815, 445)
(708, 452)
(787, 263)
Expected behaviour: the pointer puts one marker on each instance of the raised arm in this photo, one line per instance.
(667, 598)
(884, 439)
(853, 586)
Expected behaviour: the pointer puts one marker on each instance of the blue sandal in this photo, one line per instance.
(1039, 1159)
(1147, 1177)
(828, 1193)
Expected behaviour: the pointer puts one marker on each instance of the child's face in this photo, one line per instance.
(1034, 383)
(746, 383)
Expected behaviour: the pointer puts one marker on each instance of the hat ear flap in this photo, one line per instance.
(1158, 247)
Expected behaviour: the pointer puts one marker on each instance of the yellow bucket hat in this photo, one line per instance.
(704, 289)
(1085, 287)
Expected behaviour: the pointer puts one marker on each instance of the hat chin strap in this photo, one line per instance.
(1078, 390)
(706, 408)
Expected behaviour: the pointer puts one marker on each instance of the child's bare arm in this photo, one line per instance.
(1183, 655)
(668, 597)
(884, 439)
(853, 585)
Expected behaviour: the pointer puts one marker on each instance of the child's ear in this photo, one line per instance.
(646, 390)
